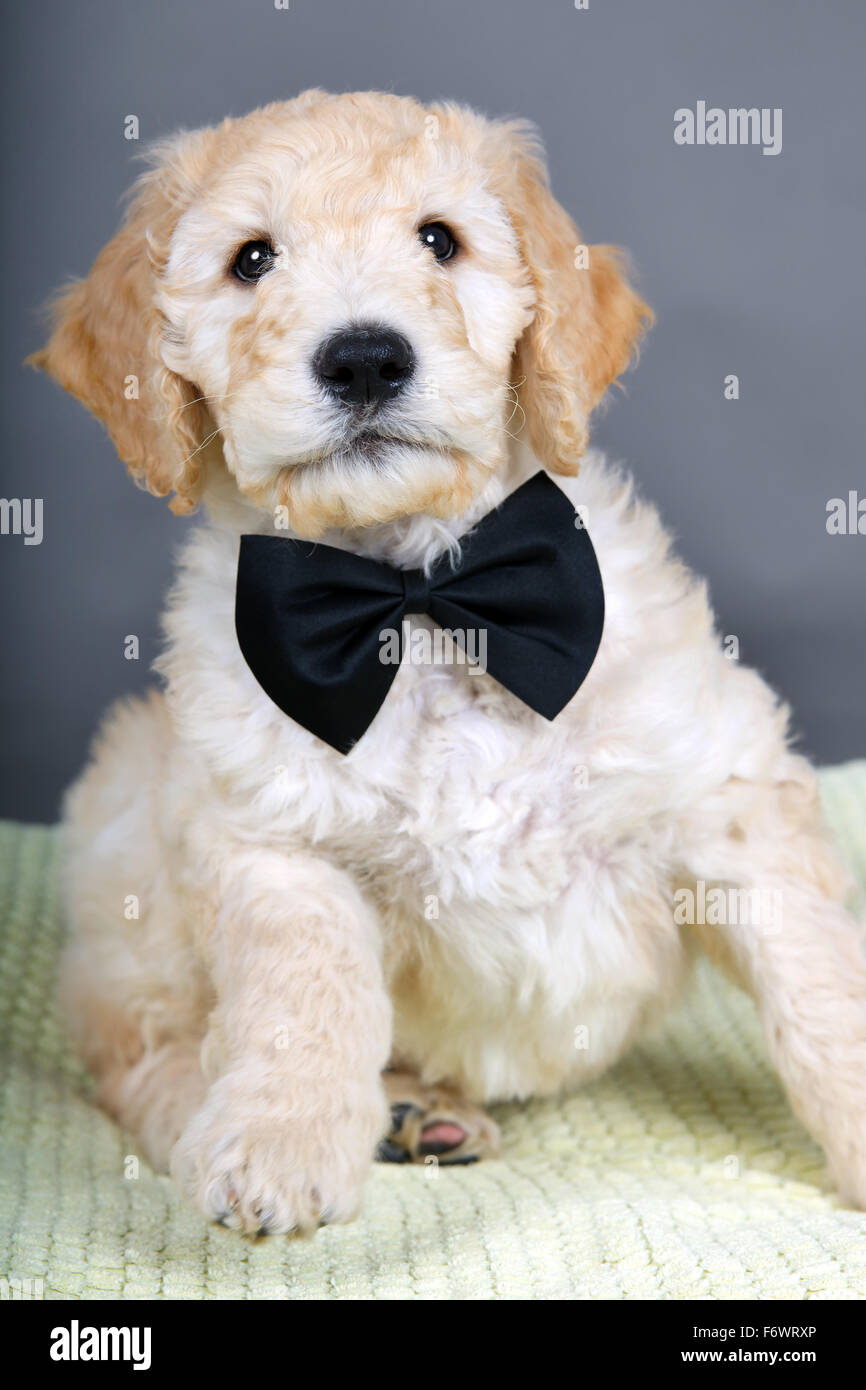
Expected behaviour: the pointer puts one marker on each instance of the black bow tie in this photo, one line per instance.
(314, 622)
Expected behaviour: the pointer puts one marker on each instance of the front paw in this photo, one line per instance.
(267, 1175)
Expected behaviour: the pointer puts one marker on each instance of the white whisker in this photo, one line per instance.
(201, 446)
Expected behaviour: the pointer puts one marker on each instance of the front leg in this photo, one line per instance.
(297, 1041)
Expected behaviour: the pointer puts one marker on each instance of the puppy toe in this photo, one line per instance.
(401, 1111)
(389, 1152)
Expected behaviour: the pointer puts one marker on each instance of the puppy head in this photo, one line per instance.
(338, 299)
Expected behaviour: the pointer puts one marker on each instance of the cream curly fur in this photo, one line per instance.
(473, 889)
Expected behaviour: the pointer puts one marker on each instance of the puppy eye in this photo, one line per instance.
(253, 259)
(439, 238)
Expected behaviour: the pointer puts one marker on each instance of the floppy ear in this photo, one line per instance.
(587, 323)
(107, 334)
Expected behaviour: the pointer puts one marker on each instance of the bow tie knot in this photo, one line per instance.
(309, 620)
(416, 591)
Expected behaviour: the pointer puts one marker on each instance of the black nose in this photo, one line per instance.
(364, 365)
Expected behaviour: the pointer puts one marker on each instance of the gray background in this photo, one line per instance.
(754, 265)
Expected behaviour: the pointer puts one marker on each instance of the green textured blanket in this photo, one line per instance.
(680, 1174)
